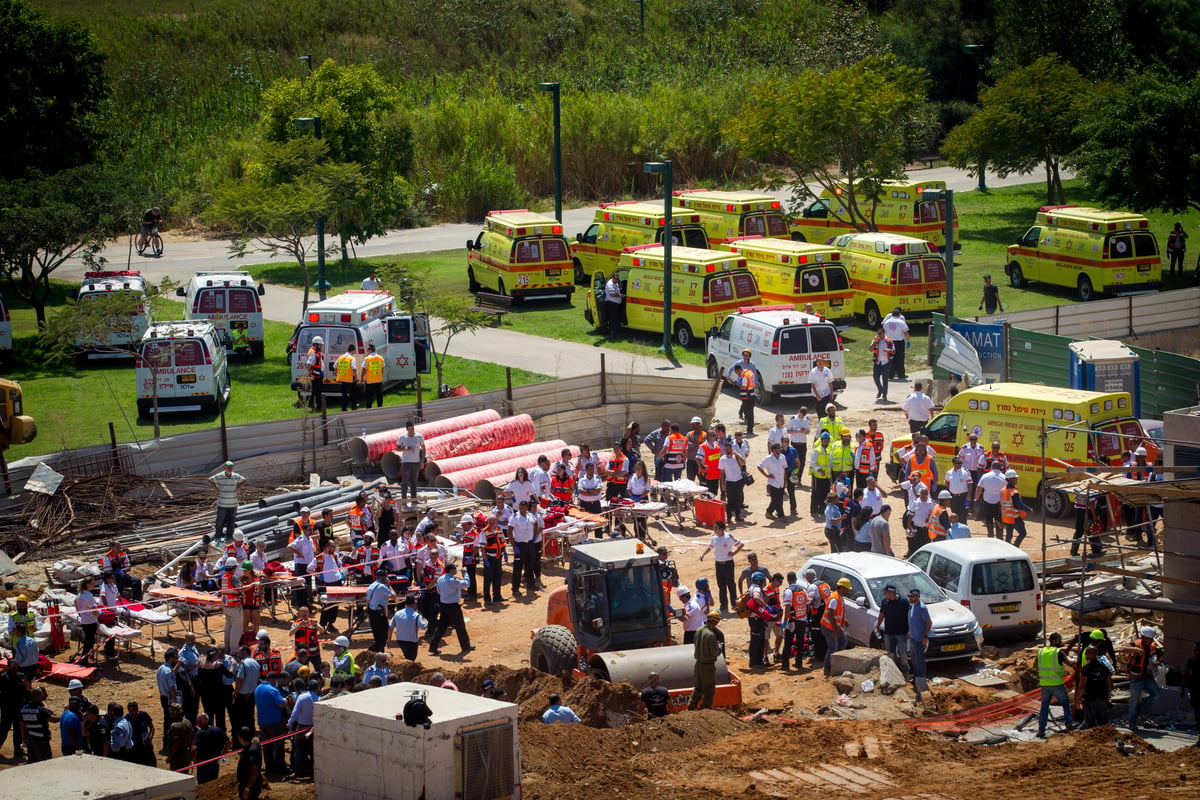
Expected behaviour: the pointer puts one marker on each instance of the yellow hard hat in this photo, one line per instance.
(845, 431)
(22, 598)
(844, 583)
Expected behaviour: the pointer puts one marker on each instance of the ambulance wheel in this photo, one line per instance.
(500, 289)
(762, 396)
(683, 334)
(472, 284)
(258, 353)
(144, 407)
(580, 278)
(872, 314)
(714, 371)
(798, 237)
(553, 650)
(1054, 503)
(1086, 291)
(1016, 277)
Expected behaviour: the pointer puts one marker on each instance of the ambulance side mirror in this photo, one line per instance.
(180, 291)
(470, 244)
(579, 238)
(262, 289)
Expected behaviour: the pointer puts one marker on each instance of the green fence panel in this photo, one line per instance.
(1038, 358)
(1168, 381)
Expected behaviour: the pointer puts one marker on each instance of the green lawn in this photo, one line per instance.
(72, 407)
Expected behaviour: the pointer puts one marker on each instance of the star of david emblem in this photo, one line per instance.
(402, 361)
(1018, 439)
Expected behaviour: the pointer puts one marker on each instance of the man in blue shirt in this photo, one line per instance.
(449, 589)
(70, 726)
(379, 594)
(919, 625)
(557, 712)
(168, 688)
(246, 679)
(271, 705)
(407, 624)
(379, 669)
(189, 659)
(302, 717)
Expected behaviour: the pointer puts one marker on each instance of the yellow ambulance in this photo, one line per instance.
(899, 209)
(888, 270)
(1084, 429)
(706, 286)
(797, 273)
(520, 254)
(726, 214)
(1089, 250)
(628, 224)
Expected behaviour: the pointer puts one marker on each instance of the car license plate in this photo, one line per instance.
(1143, 267)
(1005, 608)
(837, 302)
(933, 294)
(553, 273)
(954, 648)
(186, 378)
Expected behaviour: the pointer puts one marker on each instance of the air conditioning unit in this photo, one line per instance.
(364, 749)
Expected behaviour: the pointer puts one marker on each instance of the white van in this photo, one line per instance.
(230, 301)
(783, 343)
(989, 576)
(360, 317)
(186, 363)
(124, 337)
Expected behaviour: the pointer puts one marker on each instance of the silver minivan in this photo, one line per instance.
(992, 578)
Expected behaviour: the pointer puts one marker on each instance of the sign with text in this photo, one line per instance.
(988, 341)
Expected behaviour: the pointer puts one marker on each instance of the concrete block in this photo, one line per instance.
(858, 660)
(890, 676)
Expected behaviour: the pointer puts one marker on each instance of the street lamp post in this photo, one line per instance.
(641, 13)
(664, 168)
(553, 88)
(322, 285)
(307, 59)
(948, 258)
(977, 51)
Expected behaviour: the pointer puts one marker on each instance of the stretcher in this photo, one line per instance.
(678, 496)
(355, 600)
(60, 671)
(188, 603)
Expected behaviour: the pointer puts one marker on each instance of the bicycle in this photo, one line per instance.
(153, 241)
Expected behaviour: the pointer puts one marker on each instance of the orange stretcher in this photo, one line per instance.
(188, 603)
(60, 671)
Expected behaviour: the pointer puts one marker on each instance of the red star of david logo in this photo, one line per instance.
(1018, 439)
(402, 361)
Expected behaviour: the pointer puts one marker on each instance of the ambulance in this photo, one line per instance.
(784, 345)
(1083, 430)
(520, 255)
(359, 318)
(898, 209)
(628, 224)
(889, 270)
(182, 366)
(706, 286)
(797, 273)
(728, 214)
(1088, 250)
(230, 301)
(123, 337)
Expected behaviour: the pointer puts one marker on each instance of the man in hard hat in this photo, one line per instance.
(692, 614)
(820, 467)
(343, 662)
(227, 483)
(938, 524)
(231, 603)
(707, 649)
(22, 616)
(1013, 509)
(314, 362)
(833, 621)
(1053, 665)
(760, 613)
(1138, 517)
(1142, 657)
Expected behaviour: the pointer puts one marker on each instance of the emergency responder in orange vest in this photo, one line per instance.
(616, 470)
(1142, 657)
(314, 360)
(307, 636)
(116, 561)
(1013, 510)
(709, 457)
(562, 485)
(922, 464)
(673, 454)
(365, 561)
(346, 375)
(371, 378)
(866, 463)
(252, 594)
(270, 663)
(231, 604)
(746, 382)
(833, 621)
(939, 517)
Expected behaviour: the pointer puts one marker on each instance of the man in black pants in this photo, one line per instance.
(449, 588)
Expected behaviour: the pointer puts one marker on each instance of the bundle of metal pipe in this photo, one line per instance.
(468, 478)
(495, 435)
(371, 448)
(434, 468)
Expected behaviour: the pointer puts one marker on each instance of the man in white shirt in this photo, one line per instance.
(412, 455)
(775, 435)
(918, 516)
(522, 529)
(895, 327)
(820, 381)
(988, 491)
(732, 373)
(614, 299)
(693, 614)
(774, 469)
(539, 476)
(371, 282)
(872, 496)
(799, 428)
(974, 457)
(303, 550)
(958, 481)
(740, 445)
(731, 464)
(919, 408)
(724, 547)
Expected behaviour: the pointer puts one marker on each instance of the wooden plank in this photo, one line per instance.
(878, 777)
(825, 776)
(1145, 576)
(850, 775)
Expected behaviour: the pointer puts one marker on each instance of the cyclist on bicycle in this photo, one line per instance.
(151, 219)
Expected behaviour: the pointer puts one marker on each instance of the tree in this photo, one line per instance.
(1087, 34)
(1139, 146)
(859, 124)
(54, 87)
(46, 220)
(273, 207)
(361, 124)
(1021, 125)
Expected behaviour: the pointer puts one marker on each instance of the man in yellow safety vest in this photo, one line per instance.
(1053, 665)
(346, 374)
(372, 378)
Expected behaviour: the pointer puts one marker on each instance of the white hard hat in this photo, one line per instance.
(1141, 451)
(231, 563)
(238, 535)
(1011, 475)
(697, 421)
(74, 684)
(1148, 632)
(945, 495)
(262, 634)
(682, 591)
(305, 510)
(831, 405)
(318, 340)
(342, 641)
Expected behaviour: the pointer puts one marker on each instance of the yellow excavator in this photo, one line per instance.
(15, 427)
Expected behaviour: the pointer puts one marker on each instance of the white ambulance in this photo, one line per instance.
(361, 317)
(784, 344)
(230, 301)
(182, 366)
(124, 336)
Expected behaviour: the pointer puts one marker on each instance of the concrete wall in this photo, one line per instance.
(1181, 543)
